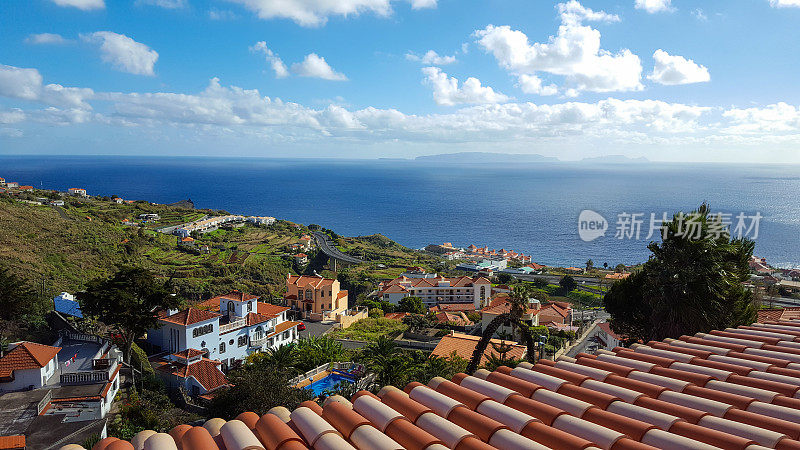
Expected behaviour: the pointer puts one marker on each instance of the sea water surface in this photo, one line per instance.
(529, 208)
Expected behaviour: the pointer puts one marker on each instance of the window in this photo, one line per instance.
(230, 307)
(205, 329)
(483, 292)
(230, 342)
(309, 294)
(259, 333)
(286, 335)
(322, 293)
(249, 306)
(222, 347)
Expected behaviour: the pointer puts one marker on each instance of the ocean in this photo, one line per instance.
(531, 208)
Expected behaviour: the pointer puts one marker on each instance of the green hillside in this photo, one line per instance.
(62, 248)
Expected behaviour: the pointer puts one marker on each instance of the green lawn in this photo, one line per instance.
(370, 329)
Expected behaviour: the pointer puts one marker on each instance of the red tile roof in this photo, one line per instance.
(464, 345)
(269, 309)
(238, 296)
(396, 315)
(190, 316)
(188, 353)
(306, 280)
(26, 355)
(255, 319)
(457, 318)
(735, 389)
(12, 442)
(205, 371)
(606, 327)
(452, 307)
(779, 314)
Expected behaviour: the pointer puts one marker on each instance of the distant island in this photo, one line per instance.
(484, 157)
(490, 157)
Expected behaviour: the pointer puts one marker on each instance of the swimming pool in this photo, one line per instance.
(328, 382)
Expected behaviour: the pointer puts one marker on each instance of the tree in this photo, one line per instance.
(540, 282)
(416, 322)
(18, 302)
(589, 265)
(313, 351)
(605, 265)
(127, 302)
(519, 303)
(692, 282)
(504, 278)
(567, 284)
(257, 389)
(619, 268)
(411, 305)
(283, 357)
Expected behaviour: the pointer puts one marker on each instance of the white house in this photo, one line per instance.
(27, 365)
(435, 290)
(78, 192)
(606, 337)
(226, 328)
(12, 184)
(57, 203)
(261, 220)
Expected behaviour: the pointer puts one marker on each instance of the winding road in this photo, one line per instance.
(326, 245)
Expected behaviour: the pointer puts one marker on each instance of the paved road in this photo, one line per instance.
(315, 329)
(327, 247)
(554, 279)
(61, 213)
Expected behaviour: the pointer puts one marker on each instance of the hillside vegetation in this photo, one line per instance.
(60, 249)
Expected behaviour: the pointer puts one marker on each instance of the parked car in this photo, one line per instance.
(301, 327)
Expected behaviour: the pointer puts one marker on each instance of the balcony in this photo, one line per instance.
(99, 375)
(235, 325)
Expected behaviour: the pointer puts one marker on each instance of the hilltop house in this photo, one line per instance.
(78, 192)
(226, 328)
(316, 297)
(301, 258)
(12, 185)
(437, 290)
(556, 313)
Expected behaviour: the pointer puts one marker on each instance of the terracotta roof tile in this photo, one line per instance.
(12, 442)
(26, 355)
(464, 345)
(671, 394)
(190, 316)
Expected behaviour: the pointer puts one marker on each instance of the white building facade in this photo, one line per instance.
(477, 290)
(228, 328)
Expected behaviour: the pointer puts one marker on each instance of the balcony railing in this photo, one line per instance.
(88, 377)
(235, 325)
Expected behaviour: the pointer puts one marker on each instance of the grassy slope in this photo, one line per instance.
(37, 242)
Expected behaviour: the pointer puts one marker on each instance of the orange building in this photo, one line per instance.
(317, 297)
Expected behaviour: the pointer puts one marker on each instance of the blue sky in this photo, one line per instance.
(669, 80)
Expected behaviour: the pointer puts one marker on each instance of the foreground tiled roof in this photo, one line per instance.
(26, 355)
(731, 389)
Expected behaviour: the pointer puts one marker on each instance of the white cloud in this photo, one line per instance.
(674, 69)
(86, 5)
(26, 84)
(531, 84)
(313, 13)
(574, 13)
(123, 53)
(447, 92)
(784, 3)
(46, 38)
(221, 14)
(699, 15)
(654, 6)
(315, 66)
(431, 58)
(272, 59)
(168, 4)
(15, 115)
(249, 117)
(573, 53)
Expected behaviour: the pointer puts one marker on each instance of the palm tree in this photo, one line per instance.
(283, 357)
(519, 303)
